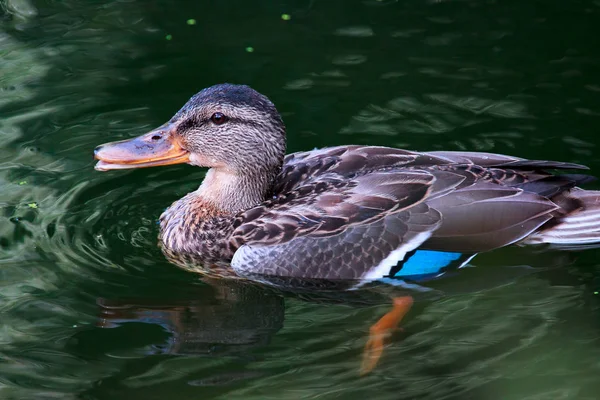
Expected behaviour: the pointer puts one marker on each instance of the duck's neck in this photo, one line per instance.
(231, 192)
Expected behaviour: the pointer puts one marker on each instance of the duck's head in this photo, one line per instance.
(232, 129)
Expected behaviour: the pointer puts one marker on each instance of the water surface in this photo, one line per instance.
(91, 309)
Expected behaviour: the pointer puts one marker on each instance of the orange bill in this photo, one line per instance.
(157, 147)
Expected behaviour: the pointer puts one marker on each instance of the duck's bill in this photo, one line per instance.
(158, 147)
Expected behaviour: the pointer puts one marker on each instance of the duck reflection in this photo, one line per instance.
(223, 317)
(232, 316)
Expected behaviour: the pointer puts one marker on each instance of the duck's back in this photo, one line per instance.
(363, 212)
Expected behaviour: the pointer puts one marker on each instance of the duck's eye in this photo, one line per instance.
(219, 118)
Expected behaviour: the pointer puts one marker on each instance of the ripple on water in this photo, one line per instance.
(91, 309)
(355, 31)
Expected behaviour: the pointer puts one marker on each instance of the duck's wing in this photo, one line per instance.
(356, 212)
(352, 202)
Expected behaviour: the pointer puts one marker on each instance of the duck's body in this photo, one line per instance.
(354, 212)
(350, 212)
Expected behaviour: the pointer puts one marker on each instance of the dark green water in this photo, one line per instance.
(90, 308)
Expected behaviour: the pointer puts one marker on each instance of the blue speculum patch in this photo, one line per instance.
(423, 264)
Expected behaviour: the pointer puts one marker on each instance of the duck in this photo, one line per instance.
(358, 213)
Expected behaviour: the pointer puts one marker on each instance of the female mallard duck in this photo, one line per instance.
(349, 212)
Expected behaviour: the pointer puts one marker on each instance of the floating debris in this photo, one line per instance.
(191, 21)
(286, 17)
(250, 49)
(169, 37)
(32, 205)
(22, 183)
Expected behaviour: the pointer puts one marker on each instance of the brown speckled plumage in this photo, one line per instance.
(192, 227)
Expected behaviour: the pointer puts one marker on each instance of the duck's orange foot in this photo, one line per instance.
(381, 330)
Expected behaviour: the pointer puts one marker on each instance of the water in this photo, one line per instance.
(90, 308)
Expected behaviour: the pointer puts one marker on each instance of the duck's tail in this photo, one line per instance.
(578, 223)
